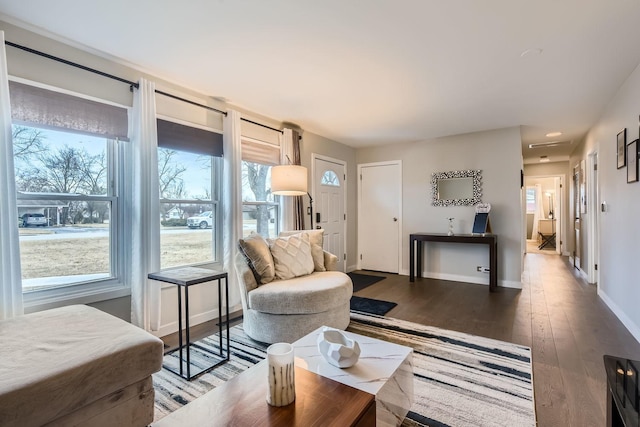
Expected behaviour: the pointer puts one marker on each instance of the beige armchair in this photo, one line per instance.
(285, 310)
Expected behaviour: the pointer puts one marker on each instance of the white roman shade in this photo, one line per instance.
(261, 152)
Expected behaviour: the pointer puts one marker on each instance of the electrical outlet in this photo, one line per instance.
(479, 268)
(482, 269)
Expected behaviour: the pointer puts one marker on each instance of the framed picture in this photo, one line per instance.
(632, 161)
(621, 146)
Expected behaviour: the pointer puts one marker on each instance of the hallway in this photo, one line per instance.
(557, 314)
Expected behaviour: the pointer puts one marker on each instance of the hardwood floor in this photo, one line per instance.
(557, 314)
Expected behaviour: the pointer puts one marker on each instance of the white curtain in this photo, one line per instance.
(142, 209)
(10, 273)
(232, 199)
(538, 214)
(287, 214)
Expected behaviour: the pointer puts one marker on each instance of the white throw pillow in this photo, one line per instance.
(315, 238)
(291, 256)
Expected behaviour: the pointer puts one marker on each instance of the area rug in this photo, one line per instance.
(370, 305)
(459, 379)
(361, 281)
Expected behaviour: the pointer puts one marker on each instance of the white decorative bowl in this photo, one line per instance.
(337, 349)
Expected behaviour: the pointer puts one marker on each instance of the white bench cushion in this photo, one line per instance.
(57, 361)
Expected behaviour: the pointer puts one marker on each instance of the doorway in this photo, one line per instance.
(329, 195)
(379, 216)
(545, 214)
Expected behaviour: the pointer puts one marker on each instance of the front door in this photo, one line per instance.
(379, 216)
(329, 204)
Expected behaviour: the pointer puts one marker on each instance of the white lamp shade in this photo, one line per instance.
(289, 180)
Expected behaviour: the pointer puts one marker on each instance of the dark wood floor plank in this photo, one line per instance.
(560, 316)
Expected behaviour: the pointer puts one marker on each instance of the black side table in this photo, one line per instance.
(183, 278)
(623, 402)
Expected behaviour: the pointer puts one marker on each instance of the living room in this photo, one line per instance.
(496, 150)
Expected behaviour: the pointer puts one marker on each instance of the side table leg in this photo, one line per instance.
(180, 327)
(186, 322)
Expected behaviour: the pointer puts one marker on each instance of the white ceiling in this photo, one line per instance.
(376, 71)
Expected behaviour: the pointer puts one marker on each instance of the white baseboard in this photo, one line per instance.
(194, 319)
(351, 268)
(467, 279)
(628, 323)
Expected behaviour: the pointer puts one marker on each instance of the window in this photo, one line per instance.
(66, 157)
(189, 176)
(330, 178)
(260, 210)
(531, 199)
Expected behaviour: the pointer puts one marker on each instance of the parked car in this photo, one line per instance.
(34, 219)
(203, 220)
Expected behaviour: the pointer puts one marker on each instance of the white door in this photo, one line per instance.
(379, 216)
(329, 204)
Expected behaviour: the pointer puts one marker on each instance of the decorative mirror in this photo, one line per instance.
(457, 188)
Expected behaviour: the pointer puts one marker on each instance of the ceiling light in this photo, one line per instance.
(553, 134)
(549, 144)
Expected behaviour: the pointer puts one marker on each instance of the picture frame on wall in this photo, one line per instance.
(621, 145)
(632, 161)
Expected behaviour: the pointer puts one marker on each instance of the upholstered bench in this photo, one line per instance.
(76, 365)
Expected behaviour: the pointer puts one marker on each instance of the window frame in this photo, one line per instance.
(92, 291)
(217, 165)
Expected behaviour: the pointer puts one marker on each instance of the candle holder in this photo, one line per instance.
(282, 386)
(450, 232)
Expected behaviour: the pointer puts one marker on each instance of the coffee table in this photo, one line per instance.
(384, 369)
(242, 402)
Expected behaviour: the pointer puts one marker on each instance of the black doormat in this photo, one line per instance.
(361, 281)
(371, 306)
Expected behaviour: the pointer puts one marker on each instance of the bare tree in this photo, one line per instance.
(94, 182)
(256, 177)
(170, 178)
(26, 142)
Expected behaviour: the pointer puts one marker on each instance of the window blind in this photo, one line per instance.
(31, 105)
(260, 152)
(186, 138)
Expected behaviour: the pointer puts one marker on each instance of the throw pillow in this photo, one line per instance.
(291, 256)
(256, 250)
(315, 238)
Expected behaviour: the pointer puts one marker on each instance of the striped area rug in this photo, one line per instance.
(460, 379)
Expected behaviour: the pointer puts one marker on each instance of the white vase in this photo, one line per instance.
(282, 385)
(337, 349)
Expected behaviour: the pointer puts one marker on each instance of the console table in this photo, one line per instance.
(416, 241)
(184, 278)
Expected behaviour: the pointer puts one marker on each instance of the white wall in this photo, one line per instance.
(619, 282)
(498, 154)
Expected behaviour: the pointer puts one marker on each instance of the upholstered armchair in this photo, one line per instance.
(284, 294)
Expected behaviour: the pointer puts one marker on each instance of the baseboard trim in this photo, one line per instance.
(628, 323)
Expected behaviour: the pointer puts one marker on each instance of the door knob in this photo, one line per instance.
(395, 219)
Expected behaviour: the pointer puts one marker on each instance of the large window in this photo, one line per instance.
(66, 158)
(260, 209)
(189, 176)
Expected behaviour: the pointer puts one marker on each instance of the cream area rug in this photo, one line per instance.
(459, 379)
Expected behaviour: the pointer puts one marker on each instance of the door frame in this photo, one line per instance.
(401, 243)
(559, 201)
(593, 202)
(342, 163)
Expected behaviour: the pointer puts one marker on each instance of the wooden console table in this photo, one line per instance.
(415, 253)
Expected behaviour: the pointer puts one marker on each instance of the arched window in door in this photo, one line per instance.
(330, 178)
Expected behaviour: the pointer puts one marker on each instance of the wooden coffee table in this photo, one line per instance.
(241, 401)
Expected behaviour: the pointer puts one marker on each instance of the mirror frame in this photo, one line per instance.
(477, 188)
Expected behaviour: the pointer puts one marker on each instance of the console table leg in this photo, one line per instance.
(412, 276)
